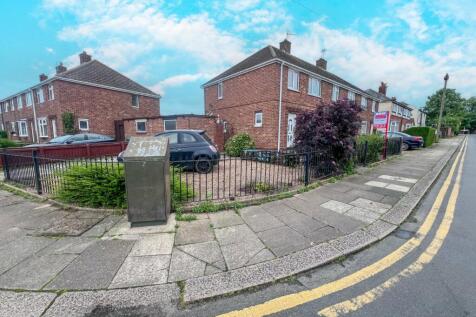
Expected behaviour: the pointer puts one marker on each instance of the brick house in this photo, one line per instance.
(141, 126)
(262, 94)
(97, 96)
(401, 117)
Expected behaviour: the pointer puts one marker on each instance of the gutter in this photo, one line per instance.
(280, 104)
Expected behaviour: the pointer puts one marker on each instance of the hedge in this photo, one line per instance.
(427, 133)
(3, 134)
(374, 148)
(238, 143)
(4, 143)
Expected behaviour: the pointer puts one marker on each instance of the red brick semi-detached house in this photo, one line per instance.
(400, 112)
(98, 97)
(262, 95)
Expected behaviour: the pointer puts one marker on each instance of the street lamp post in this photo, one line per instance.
(442, 104)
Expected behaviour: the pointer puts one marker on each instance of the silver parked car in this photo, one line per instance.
(81, 138)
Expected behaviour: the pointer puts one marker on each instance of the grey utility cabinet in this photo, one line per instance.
(146, 163)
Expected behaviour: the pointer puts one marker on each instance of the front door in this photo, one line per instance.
(119, 130)
(291, 126)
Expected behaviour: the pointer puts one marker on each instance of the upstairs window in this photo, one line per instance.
(314, 88)
(135, 101)
(7, 106)
(83, 124)
(258, 119)
(220, 90)
(363, 103)
(394, 108)
(51, 92)
(19, 102)
(374, 106)
(39, 95)
(293, 79)
(170, 124)
(335, 93)
(141, 125)
(351, 96)
(29, 100)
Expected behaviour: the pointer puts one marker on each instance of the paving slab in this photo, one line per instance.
(336, 206)
(206, 251)
(142, 271)
(362, 214)
(284, 240)
(184, 266)
(399, 188)
(194, 232)
(68, 226)
(103, 226)
(20, 249)
(366, 194)
(311, 197)
(123, 227)
(258, 219)
(234, 234)
(153, 244)
(24, 304)
(161, 298)
(262, 256)
(374, 206)
(377, 184)
(225, 218)
(302, 205)
(239, 254)
(324, 234)
(95, 267)
(399, 179)
(68, 245)
(343, 223)
(303, 223)
(35, 272)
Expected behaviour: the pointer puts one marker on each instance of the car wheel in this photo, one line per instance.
(405, 147)
(203, 165)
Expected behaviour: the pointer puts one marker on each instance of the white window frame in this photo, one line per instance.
(13, 126)
(362, 124)
(220, 90)
(51, 92)
(310, 89)
(19, 102)
(374, 108)
(21, 124)
(87, 124)
(40, 96)
(43, 127)
(145, 125)
(351, 95)
(29, 99)
(394, 126)
(258, 119)
(364, 103)
(53, 126)
(7, 105)
(175, 120)
(293, 79)
(335, 93)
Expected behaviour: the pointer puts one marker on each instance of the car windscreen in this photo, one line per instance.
(60, 139)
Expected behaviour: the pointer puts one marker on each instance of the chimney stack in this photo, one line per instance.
(321, 63)
(285, 46)
(84, 58)
(60, 68)
(43, 77)
(383, 88)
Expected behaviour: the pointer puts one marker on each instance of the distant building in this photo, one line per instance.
(98, 96)
(419, 117)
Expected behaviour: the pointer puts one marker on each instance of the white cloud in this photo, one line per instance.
(241, 5)
(412, 15)
(50, 50)
(175, 81)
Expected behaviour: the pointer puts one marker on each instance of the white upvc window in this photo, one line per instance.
(351, 96)
(363, 127)
(258, 119)
(19, 102)
(141, 125)
(170, 124)
(51, 92)
(400, 109)
(7, 105)
(363, 103)
(220, 91)
(335, 93)
(39, 95)
(394, 126)
(13, 125)
(394, 108)
(374, 106)
(293, 79)
(29, 99)
(83, 124)
(314, 88)
(23, 128)
(43, 127)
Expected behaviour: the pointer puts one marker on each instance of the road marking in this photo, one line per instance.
(292, 300)
(426, 257)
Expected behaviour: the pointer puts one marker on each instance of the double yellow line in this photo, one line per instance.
(292, 300)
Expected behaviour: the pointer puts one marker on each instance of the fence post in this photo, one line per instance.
(36, 165)
(366, 148)
(306, 168)
(6, 170)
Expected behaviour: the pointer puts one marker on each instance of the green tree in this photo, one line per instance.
(469, 120)
(454, 112)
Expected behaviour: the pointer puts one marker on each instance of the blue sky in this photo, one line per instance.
(173, 47)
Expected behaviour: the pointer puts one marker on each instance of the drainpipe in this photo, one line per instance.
(280, 105)
(35, 121)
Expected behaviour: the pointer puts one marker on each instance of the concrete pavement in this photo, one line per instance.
(47, 249)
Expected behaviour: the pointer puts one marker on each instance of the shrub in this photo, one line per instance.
(427, 133)
(330, 130)
(3, 134)
(4, 143)
(206, 206)
(68, 122)
(238, 143)
(375, 145)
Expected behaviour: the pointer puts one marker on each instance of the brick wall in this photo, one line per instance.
(99, 105)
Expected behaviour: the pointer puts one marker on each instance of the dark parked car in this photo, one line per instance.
(408, 141)
(81, 138)
(191, 149)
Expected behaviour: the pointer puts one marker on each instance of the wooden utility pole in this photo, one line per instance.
(442, 105)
